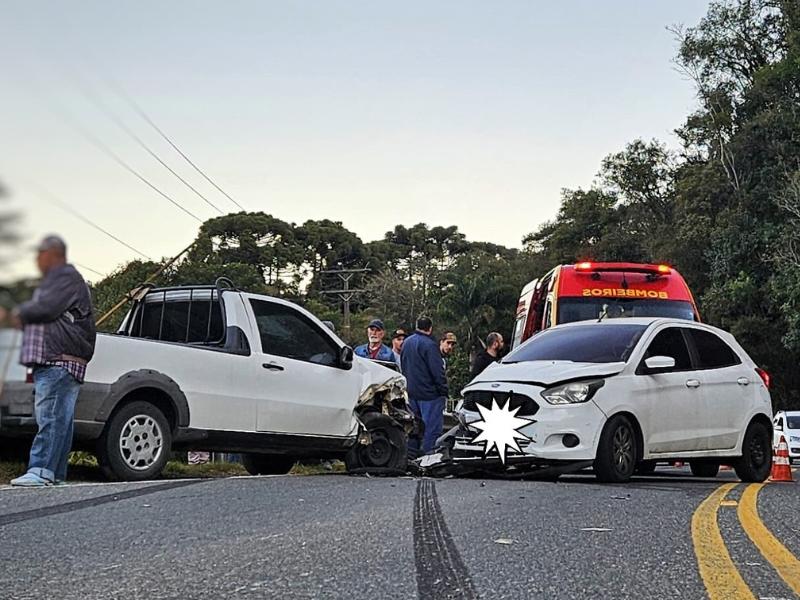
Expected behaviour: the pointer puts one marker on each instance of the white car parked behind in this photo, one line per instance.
(623, 393)
(787, 424)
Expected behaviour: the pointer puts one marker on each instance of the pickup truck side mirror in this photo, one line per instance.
(659, 364)
(346, 358)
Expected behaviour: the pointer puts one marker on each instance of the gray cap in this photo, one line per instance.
(52, 242)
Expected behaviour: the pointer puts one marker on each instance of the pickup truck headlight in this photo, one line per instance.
(575, 392)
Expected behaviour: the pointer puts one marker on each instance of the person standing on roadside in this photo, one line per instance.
(447, 343)
(426, 383)
(58, 341)
(375, 349)
(398, 337)
(494, 345)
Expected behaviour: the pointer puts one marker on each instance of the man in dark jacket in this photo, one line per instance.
(494, 345)
(423, 369)
(57, 343)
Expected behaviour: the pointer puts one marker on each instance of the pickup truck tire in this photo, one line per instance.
(135, 443)
(388, 451)
(267, 464)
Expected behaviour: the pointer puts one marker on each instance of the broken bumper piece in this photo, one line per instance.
(451, 459)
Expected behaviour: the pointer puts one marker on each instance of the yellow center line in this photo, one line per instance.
(784, 562)
(719, 574)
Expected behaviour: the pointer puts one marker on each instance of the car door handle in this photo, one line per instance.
(743, 381)
(272, 366)
(692, 383)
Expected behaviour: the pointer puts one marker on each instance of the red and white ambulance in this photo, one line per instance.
(591, 290)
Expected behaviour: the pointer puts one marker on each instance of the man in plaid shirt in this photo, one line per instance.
(57, 343)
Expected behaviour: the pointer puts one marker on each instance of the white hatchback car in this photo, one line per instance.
(625, 393)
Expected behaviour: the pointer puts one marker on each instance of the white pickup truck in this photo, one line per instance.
(215, 368)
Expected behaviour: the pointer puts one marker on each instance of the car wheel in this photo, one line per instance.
(267, 464)
(703, 469)
(756, 460)
(135, 443)
(646, 467)
(616, 454)
(388, 450)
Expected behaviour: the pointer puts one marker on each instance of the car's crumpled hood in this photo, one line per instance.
(376, 378)
(546, 372)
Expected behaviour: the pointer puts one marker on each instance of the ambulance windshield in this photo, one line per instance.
(587, 309)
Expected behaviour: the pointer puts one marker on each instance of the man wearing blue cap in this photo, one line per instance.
(375, 349)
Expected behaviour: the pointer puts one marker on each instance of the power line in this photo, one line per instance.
(140, 111)
(88, 269)
(48, 196)
(92, 139)
(121, 124)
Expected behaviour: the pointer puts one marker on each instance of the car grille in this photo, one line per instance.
(527, 406)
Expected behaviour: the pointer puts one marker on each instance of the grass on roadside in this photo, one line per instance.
(83, 467)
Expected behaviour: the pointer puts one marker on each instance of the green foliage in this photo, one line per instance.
(724, 209)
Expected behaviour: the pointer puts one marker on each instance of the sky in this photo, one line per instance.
(372, 113)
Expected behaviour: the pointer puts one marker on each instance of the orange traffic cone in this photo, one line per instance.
(781, 471)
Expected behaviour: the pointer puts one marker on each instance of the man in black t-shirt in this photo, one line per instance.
(494, 345)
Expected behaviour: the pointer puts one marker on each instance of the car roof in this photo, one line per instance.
(647, 322)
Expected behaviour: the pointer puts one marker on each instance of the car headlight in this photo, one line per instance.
(573, 393)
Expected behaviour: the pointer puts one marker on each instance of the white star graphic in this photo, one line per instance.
(499, 429)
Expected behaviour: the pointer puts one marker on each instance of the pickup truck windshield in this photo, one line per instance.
(596, 343)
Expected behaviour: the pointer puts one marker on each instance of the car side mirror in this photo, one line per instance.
(659, 364)
(346, 358)
(779, 427)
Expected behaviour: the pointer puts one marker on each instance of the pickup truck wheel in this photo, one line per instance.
(388, 450)
(267, 464)
(136, 442)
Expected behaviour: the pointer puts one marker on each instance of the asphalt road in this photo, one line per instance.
(337, 536)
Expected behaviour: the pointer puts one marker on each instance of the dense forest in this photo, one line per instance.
(724, 209)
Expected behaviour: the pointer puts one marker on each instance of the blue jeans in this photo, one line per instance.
(430, 412)
(56, 392)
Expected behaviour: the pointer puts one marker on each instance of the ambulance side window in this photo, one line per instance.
(548, 313)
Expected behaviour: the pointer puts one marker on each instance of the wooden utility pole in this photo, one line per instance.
(346, 294)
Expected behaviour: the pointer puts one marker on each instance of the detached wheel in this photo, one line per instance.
(388, 450)
(703, 469)
(267, 464)
(616, 454)
(136, 442)
(756, 461)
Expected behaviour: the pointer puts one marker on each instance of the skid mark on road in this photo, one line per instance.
(441, 572)
(719, 574)
(27, 515)
(784, 562)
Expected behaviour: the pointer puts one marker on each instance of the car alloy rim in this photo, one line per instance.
(623, 449)
(141, 442)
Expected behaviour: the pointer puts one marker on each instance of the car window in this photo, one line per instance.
(712, 352)
(288, 333)
(670, 342)
(793, 422)
(179, 319)
(598, 343)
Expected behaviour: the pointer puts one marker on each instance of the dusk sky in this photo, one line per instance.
(465, 113)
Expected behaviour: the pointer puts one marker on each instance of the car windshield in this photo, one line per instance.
(595, 343)
(571, 310)
(793, 422)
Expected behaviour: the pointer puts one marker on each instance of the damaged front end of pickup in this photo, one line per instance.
(385, 424)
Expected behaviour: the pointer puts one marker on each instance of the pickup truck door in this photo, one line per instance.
(295, 377)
